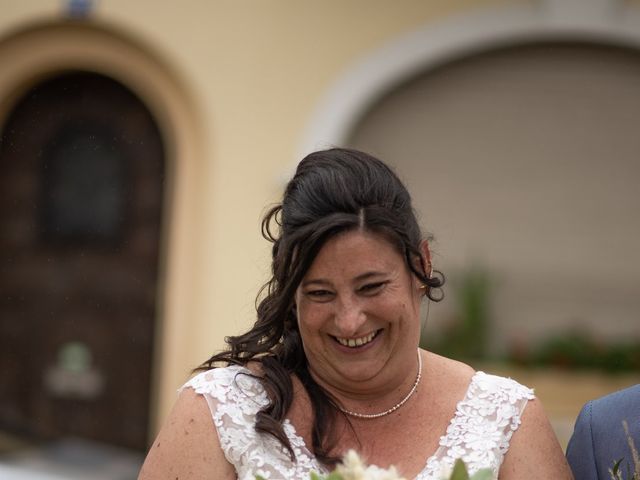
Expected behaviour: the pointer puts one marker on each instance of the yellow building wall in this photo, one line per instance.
(256, 71)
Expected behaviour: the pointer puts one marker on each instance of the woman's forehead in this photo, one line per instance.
(355, 253)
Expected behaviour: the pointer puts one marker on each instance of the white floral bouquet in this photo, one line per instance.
(353, 468)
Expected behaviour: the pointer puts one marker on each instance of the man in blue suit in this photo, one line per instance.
(599, 439)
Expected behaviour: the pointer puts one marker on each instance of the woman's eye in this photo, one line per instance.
(320, 294)
(371, 288)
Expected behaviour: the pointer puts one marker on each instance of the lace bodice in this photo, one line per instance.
(479, 432)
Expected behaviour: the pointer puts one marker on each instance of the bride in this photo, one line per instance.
(332, 362)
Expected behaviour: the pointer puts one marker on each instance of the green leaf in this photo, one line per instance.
(616, 466)
(459, 471)
(483, 474)
(260, 477)
(331, 476)
(334, 476)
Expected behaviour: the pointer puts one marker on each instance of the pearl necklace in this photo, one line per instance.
(396, 406)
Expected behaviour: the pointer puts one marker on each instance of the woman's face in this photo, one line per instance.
(358, 314)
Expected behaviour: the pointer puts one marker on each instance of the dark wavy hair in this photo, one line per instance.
(332, 191)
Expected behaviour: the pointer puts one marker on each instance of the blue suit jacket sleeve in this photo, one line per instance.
(580, 452)
(599, 438)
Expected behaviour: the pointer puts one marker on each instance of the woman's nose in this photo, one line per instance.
(349, 318)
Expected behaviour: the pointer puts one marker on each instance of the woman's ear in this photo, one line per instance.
(425, 254)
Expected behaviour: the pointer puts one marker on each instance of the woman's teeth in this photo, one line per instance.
(356, 342)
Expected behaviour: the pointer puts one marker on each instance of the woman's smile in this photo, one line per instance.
(358, 342)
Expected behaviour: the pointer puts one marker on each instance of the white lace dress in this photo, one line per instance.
(479, 432)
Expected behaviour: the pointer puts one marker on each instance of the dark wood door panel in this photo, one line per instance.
(81, 185)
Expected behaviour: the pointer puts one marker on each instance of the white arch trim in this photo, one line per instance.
(612, 22)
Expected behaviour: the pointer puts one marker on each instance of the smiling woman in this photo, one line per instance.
(330, 364)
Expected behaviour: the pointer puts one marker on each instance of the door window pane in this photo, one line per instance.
(84, 186)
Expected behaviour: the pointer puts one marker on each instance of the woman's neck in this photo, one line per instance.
(377, 397)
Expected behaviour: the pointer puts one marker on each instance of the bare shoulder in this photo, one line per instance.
(534, 451)
(444, 370)
(187, 446)
(446, 382)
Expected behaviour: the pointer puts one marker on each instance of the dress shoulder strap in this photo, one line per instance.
(235, 397)
(484, 422)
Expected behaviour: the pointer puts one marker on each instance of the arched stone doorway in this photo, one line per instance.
(81, 187)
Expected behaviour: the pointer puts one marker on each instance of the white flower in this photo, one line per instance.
(445, 471)
(353, 468)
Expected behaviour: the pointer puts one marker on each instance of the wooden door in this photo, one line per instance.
(81, 186)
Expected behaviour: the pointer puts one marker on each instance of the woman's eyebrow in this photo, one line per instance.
(368, 275)
(359, 278)
(315, 281)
